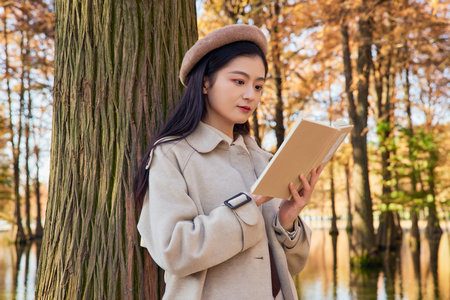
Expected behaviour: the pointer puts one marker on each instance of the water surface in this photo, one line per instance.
(326, 276)
(406, 275)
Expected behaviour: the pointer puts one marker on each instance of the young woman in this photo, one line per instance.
(198, 221)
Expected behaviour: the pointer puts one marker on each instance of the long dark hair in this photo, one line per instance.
(192, 106)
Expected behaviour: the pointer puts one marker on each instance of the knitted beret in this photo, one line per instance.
(218, 38)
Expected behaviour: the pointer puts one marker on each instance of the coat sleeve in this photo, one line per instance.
(179, 239)
(296, 244)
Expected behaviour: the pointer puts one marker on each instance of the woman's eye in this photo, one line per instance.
(238, 81)
(259, 87)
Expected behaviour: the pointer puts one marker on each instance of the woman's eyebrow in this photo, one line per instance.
(246, 75)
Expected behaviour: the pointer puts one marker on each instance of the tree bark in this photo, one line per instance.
(363, 238)
(116, 79)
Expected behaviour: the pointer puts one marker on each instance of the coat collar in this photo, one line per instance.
(205, 139)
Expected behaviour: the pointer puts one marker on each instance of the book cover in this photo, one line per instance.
(308, 145)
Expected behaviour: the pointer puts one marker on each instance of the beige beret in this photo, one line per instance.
(218, 38)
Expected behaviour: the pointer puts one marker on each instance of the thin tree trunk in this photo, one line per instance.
(277, 74)
(382, 82)
(363, 237)
(415, 234)
(27, 140)
(333, 229)
(116, 79)
(349, 227)
(334, 239)
(389, 230)
(415, 254)
(255, 127)
(20, 234)
(433, 243)
(433, 229)
(39, 230)
(20, 248)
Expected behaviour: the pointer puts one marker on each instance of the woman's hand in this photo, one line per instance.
(290, 209)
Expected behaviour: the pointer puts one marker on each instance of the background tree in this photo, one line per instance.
(15, 130)
(384, 71)
(311, 50)
(363, 237)
(5, 174)
(26, 34)
(116, 79)
(280, 20)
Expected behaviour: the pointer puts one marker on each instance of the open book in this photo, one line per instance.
(308, 145)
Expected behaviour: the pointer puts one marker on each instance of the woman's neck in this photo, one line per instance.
(225, 128)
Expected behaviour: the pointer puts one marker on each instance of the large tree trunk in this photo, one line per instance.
(363, 239)
(116, 79)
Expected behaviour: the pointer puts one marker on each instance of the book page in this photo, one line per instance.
(334, 148)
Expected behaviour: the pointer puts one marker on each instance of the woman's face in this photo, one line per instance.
(235, 92)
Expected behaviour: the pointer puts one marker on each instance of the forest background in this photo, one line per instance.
(383, 65)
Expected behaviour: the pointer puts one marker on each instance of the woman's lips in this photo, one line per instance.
(244, 108)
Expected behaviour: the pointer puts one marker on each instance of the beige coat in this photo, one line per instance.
(208, 250)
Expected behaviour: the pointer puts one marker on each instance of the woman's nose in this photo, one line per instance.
(249, 93)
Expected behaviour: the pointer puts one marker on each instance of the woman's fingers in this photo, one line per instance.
(313, 172)
(295, 194)
(298, 197)
(319, 169)
(304, 180)
(315, 175)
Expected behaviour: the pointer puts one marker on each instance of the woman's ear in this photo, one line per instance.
(205, 85)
